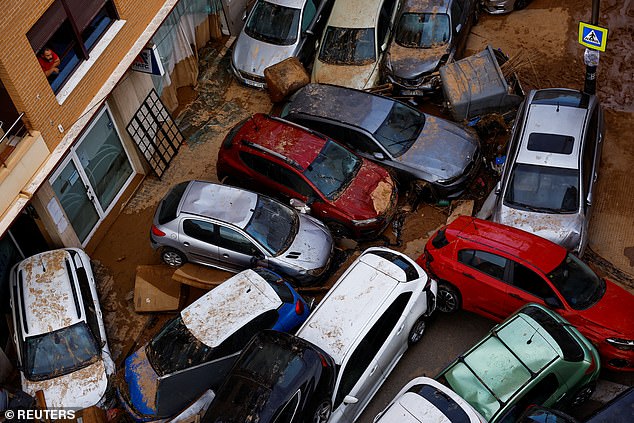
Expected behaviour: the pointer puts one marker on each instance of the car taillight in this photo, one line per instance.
(592, 367)
(156, 231)
(299, 307)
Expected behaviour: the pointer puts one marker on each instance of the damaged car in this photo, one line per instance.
(234, 229)
(58, 330)
(278, 378)
(427, 35)
(414, 145)
(274, 31)
(552, 167)
(194, 351)
(353, 196)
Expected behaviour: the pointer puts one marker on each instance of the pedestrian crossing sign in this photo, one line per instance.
(592, 36)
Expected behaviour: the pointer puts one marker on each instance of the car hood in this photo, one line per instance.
(253, 56)
(351, 76)
(80, 389)
(369, 194)
(311, 247)
(411, 63)
(562, 229)
(442, 150)
(611, 313)
(142, 383)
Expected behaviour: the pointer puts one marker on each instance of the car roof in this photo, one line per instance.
(540, 252)
(355, 13)
(287, 139)
(553, 115)
(228, 307)
(340, 104)
(48, 293)
(226, 203)
(350, 304)
(436, 6)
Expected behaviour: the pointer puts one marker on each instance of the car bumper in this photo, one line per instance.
(248, 79)
(496, 7)
(426, 85)
(616, 359)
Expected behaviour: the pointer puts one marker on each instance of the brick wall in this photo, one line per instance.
(24, 80)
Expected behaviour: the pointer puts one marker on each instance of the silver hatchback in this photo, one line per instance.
(235, 229)
(552, 165)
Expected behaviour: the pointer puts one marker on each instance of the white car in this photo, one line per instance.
(353, 43)
(425, 400)
(58, 329)
(376, 309)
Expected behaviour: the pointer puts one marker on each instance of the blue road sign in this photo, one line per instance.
(592, 36)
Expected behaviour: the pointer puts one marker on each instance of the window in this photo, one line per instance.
(71, 28)
(234, 241)
(202, 231)
(277, 174)
(538, 394)
(309, 14)
(550, 143)
(529, 281)
(87, 299)
(589, 147)
(456, 13)
(385, 16)
(488, 263)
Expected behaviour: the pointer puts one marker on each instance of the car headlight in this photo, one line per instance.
(365, 222)
(621, 344)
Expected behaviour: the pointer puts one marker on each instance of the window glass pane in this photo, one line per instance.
(488, 263)
(423, 30)
(96, 28)
(529, 281)
(200, 230)
(348, 46)
(232, 240)
(273, 23)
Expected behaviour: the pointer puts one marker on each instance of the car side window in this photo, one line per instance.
(89, 303)
(385, 16)
(491, 264)
(288, 178)
(309, 14)
(257, 163)
(236, 341)
(200, 230)
(235, 241)
(529, 281)
(538, 394)
(370, 346)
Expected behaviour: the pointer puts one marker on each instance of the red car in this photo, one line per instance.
(493, 269)
(352, 195)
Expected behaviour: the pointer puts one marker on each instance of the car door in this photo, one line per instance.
(236, 251)
(480, 277)
(198, 240)
(394, 321)
(527, 286)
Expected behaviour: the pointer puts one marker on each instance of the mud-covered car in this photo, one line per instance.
(496, 7)
(278, 378)
(427, 35)
(194, 351)
(59, 332)
(276, 30)
(414, 145)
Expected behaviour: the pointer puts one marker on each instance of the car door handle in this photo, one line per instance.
(186, 244)
(225, 255)
(596, 176)
(517, 296)
(469, 275)
(373, 369)
(400, 329)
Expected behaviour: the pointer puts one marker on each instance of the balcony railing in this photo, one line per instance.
(10, 137)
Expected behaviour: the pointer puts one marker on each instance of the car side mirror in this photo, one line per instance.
(378, 155)
(349, 399)
(498, 188)
(553, 302)
(300, 206)
(458, 28)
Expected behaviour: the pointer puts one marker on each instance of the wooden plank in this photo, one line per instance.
(200, 276)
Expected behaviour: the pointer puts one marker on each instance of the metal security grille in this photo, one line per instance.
(156, 134)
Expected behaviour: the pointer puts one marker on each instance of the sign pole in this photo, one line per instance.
(591, 57)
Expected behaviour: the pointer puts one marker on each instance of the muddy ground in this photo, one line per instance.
(544, 36)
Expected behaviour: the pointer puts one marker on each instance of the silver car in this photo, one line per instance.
(276, 30)
(234, 229)
(551, 167)
(496, 7)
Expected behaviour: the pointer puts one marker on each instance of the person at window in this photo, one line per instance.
(49, 61)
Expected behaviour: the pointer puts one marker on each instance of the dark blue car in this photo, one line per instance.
(194, 351)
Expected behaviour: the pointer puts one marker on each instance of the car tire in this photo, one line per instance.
(338, 230)
(582, 395)
(417, 331)
(322, 412)
(448, 299)
(173, 257)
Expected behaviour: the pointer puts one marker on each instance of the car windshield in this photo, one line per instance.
(578, 284)
(543, 189)
(175, 348)
(332, 170)
(272, 365)
(348, 46)
(423, 30)
(273, 225)
(400, 129)
(61, 352)
(273, 23)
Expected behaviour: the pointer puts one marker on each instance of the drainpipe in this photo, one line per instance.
(591, 57)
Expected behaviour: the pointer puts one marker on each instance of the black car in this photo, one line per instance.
(428, 34)
(414, 145)
(278, 378)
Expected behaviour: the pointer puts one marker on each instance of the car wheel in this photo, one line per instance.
(582, 395)
(338, 230)
(448, 299)
(322, 413)
(416, 334)
(172, 257)
(520, 4)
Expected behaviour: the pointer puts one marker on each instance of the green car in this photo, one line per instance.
(533, 357)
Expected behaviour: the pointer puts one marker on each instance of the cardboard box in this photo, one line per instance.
(154, 289)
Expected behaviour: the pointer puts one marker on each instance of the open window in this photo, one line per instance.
(71, 29)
